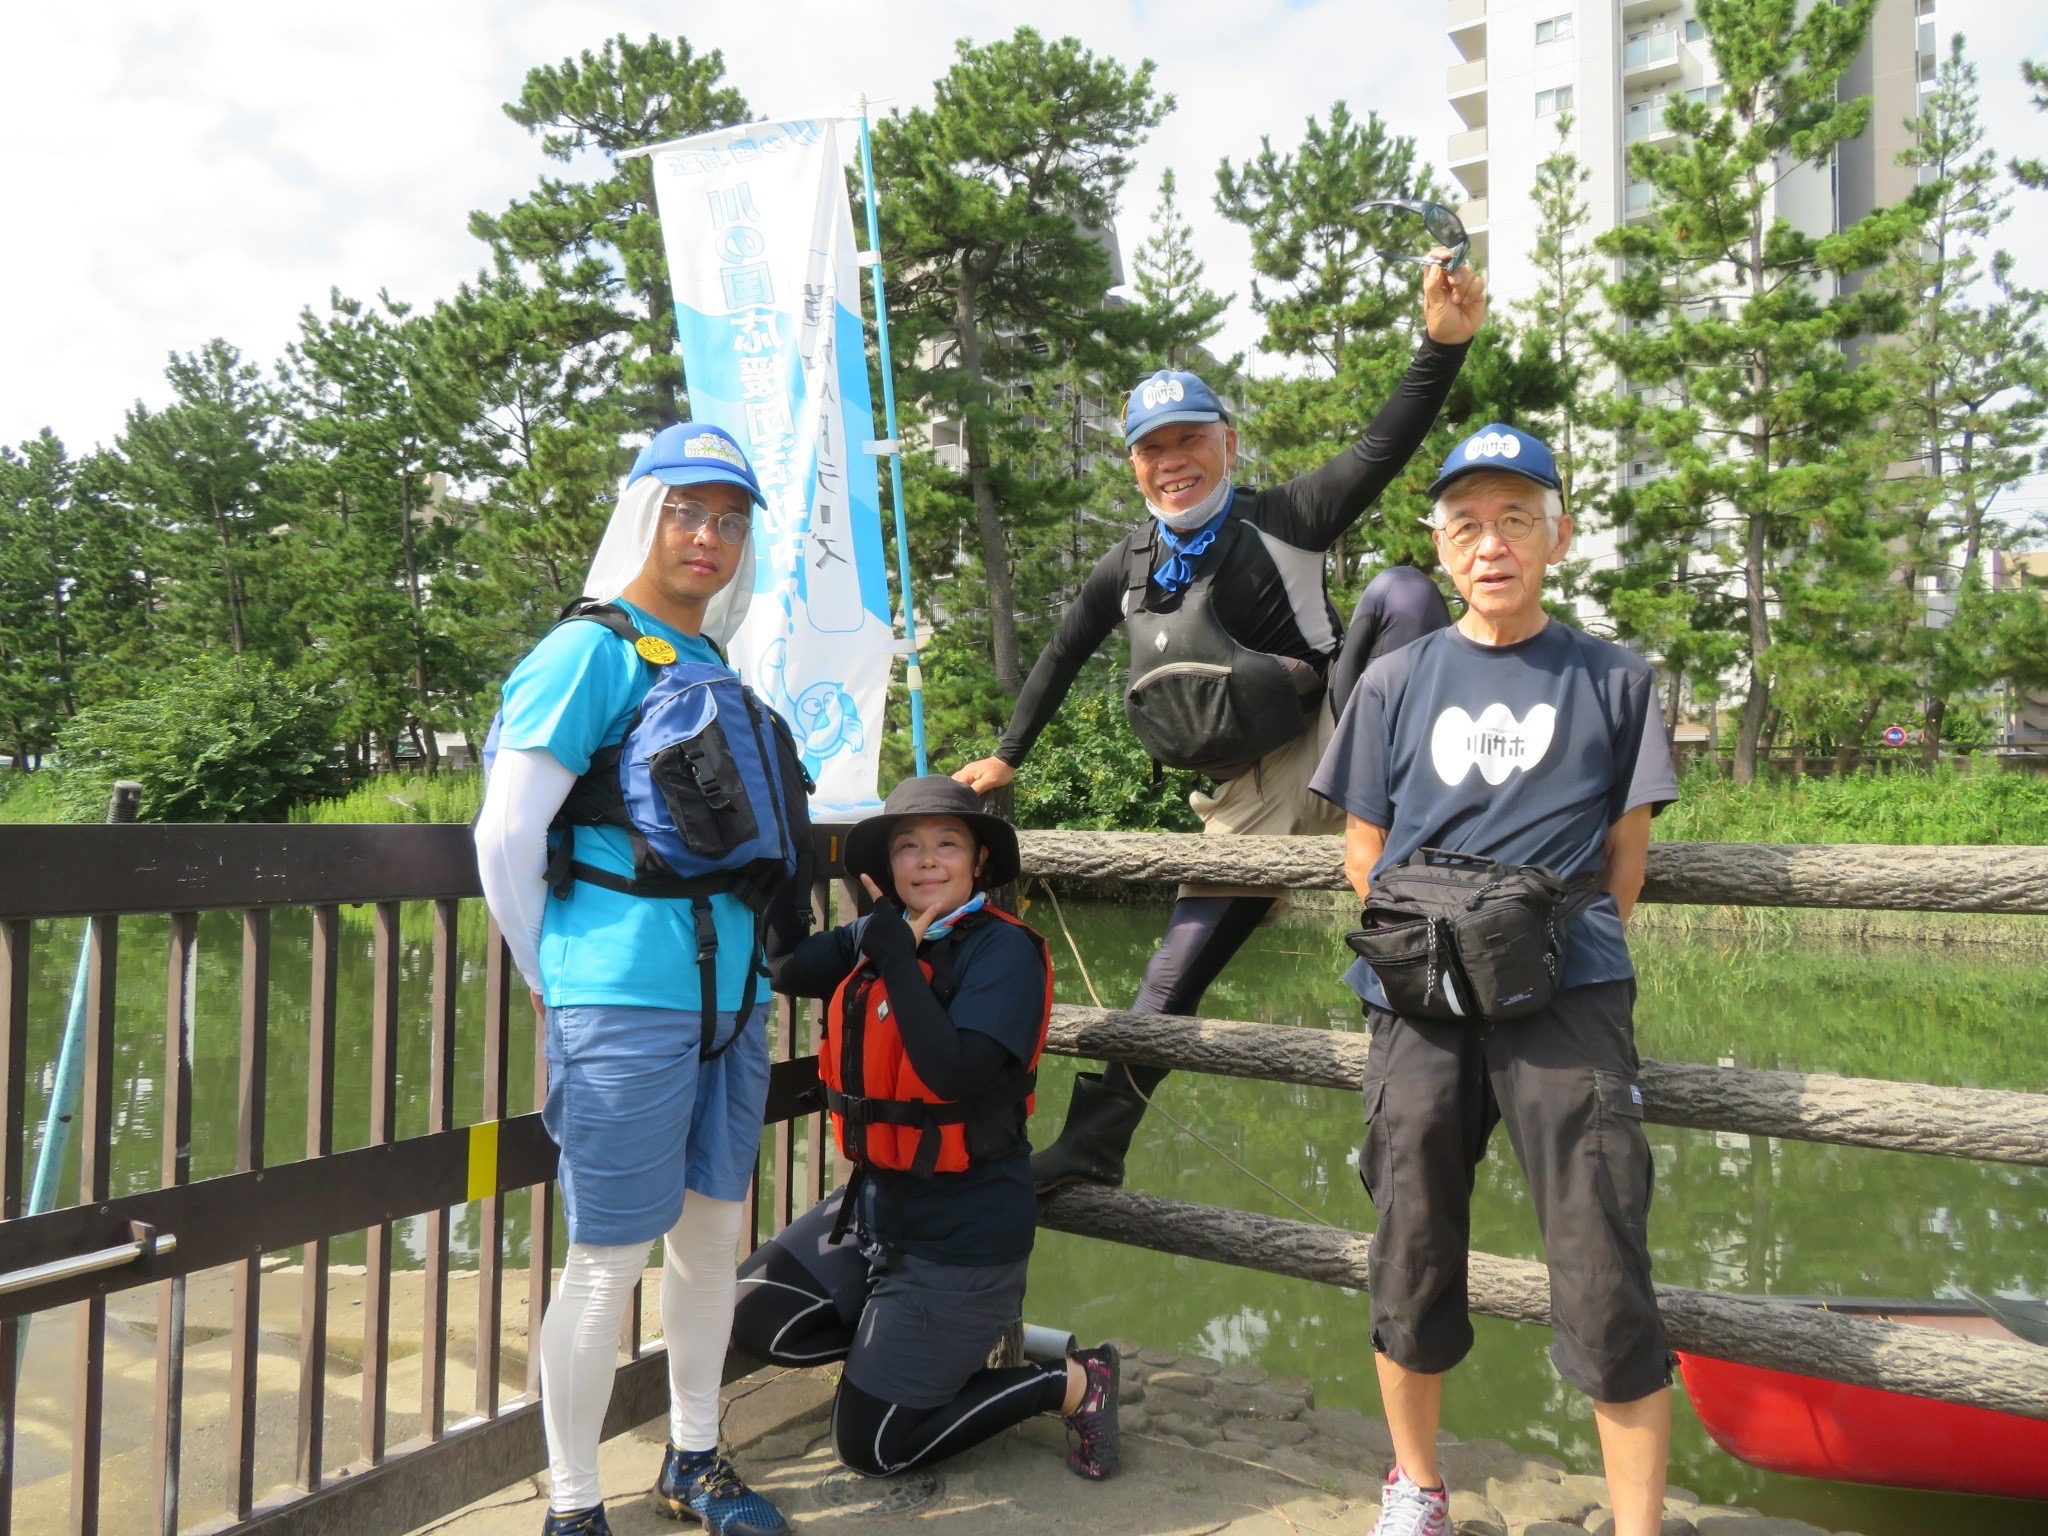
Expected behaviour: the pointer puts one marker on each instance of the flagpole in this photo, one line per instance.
(891, 445)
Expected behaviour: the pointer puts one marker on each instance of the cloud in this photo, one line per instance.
(210, 167)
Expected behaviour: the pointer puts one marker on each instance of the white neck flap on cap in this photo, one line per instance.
(622, 555)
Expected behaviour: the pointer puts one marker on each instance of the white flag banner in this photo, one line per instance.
(759, 236)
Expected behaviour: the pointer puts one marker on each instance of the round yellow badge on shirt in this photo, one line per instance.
(655, 649)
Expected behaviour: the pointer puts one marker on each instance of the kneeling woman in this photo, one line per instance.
(913, 1270)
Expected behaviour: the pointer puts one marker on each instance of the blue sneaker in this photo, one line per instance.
(578, 1522)
(702, 1486)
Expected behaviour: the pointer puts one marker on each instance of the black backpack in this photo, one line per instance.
(1457, 936)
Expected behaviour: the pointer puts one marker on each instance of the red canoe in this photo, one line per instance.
(1800, 1424)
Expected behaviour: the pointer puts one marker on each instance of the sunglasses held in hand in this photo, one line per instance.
(1444, 227)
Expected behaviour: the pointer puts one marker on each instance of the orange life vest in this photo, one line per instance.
(883, 1113)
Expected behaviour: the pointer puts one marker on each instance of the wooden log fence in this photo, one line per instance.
(1991, 1125)
(1954, 1368)
(1899, 879)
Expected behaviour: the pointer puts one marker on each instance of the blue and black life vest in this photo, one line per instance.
(710, 790)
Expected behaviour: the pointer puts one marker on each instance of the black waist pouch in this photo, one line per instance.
(1453, 936)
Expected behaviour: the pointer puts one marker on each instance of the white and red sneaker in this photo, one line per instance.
(1409, 1510)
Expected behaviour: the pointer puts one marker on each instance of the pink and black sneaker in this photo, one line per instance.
(1093, 1423)
(1408, 1509)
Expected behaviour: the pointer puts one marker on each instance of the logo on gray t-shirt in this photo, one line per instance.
(1496, 742)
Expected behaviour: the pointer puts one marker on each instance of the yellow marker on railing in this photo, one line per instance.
(483, 1160)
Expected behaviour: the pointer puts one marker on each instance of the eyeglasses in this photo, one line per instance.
(1444, 227)
(691, 516)
(1466, 532)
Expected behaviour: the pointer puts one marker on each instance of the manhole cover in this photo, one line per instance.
(881, 1498)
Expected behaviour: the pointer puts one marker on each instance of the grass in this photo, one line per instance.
(28, 797)
(401, 797)
(1987, 805)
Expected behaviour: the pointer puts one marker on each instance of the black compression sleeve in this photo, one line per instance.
(954, 1063)
(807, 966)
(1311, 510)
(1097, 609)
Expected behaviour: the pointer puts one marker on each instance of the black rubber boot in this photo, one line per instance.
(1100, 1124)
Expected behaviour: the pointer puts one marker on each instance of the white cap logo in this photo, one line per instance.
(1493, 445)
(709, 445)
(1158, 392)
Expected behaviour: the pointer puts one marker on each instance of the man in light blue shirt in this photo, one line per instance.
(658, 1138)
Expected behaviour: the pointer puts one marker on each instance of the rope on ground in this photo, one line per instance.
(1180, 1125)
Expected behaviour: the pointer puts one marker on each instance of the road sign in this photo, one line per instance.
(1895, 735)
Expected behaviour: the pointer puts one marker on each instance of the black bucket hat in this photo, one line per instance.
(867, 845)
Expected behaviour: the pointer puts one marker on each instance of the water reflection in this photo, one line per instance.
(1732, 1212)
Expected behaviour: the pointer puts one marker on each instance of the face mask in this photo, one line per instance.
(1199, 513)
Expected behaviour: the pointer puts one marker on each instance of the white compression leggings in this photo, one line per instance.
(579, 1341)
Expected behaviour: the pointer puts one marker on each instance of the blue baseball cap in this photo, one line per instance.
(696, 453)
(1500, 447)
(1168, 396)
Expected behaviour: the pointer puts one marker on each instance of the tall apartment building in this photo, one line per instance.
(1612, 64)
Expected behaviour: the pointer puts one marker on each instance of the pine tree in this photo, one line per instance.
(990, 202)
(210, 475)
(1182, 311)
(376, 417)
(598, 241)
(1348, 322)
(37, 637)
(1732, 337)
(1970, 369)
(2033, 172)
(1560, 317)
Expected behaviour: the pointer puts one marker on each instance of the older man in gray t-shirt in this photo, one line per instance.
(1515, 737)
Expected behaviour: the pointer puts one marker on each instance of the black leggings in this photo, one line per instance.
(793, 1320)
(1202, 935)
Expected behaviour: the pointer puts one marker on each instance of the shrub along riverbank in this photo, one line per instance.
(1986, 805)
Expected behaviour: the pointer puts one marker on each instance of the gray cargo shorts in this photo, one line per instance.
(1564, 1080)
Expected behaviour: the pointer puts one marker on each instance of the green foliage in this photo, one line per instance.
(2033, 172)
(1350, 322)
(1732, 332)
(991, 200)
(216, 739)
(597, 242)
(1183, 313)
(1985, 805)
(211, 478)
(399, 797)
(37, 638)
(1088, 771)
(29, 797)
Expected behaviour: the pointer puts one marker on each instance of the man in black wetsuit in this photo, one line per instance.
(1233, 640)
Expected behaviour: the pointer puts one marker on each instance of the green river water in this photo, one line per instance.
(1732, 1212)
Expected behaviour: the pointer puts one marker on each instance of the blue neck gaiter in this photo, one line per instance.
(1179, 568)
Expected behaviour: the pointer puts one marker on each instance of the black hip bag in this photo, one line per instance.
(1454, 936)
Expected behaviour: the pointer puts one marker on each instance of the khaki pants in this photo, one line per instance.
(1271, 799)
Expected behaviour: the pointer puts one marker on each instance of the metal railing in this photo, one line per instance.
(109, 1243)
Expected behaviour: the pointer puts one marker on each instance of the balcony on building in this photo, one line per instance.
(1644, 121)
(1637, 200)
(1467, 24)
(1467, 159)
(1466, 85)
(1650, 58)
(1643, 10)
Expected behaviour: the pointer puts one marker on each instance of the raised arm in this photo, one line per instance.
(1089, 620)
(1312, 510)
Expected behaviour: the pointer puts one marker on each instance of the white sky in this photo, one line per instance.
(180, 170)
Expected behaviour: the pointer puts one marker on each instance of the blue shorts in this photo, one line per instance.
(640, 1117)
